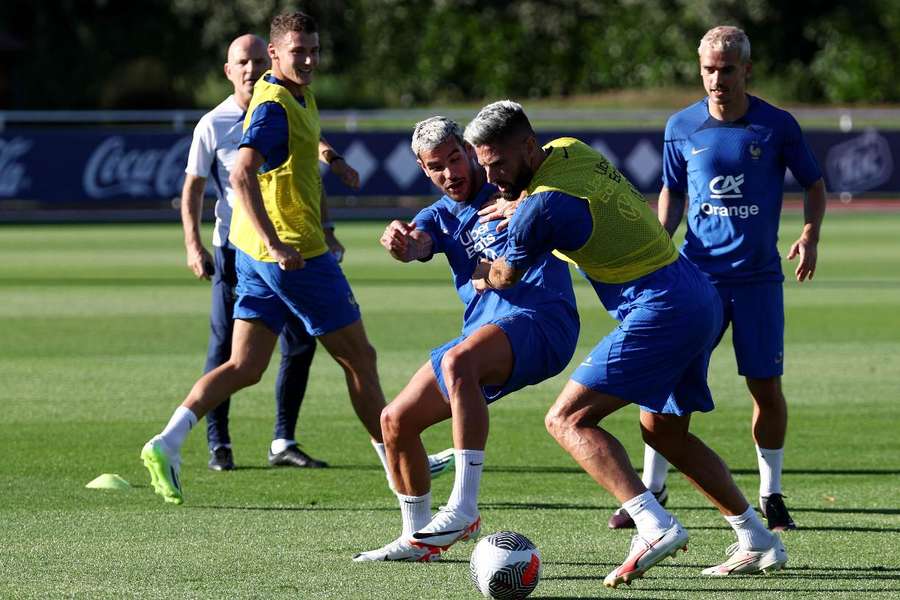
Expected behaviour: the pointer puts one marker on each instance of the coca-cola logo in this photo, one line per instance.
(859, 164)
(115, 170)
(12, 172)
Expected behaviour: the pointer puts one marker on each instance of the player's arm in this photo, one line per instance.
(334, 246)
(337, 164)
(670, 209)
(199, 260)
(806, 246)
(406, 243)
(247, 193)
(502, 275)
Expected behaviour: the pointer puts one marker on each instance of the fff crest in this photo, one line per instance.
(755, 151)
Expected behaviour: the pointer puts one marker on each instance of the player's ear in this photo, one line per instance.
(227, 71)
(749, 67)
(271, 50)
(421, 165)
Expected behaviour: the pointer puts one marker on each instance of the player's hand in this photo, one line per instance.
(286, 256)
(345, 172)
(334, 246)
(200, 262)
(498, 208)
(395, 239)
(807, 250)
(480, 276)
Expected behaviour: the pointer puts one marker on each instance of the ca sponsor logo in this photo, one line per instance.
(744, 211)
(12, 172)
(115, 170)
(726, 186)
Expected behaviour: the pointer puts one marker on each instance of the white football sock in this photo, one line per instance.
(415, 512)
(280, 445)
(469, 464)
(656, 470)
(770, 462)
(751, 533)
(649, 517)
(181, 423)
(382, 455)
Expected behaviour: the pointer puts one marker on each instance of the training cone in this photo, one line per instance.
(108, 481)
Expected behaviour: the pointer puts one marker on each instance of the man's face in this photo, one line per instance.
(506, 166)
(247, 61)
(724, 75)
(296, 56)
(451, 167)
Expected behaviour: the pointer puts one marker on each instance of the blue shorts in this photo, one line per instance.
(318, 294)
(658, 355)
(542, 346)
(756, 314)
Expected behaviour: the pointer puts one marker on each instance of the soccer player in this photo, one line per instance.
(214, 149)
(509, 339)
(581, 207)
(283, 264)
(728, 153)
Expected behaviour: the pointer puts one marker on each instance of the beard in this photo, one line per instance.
(523, 178)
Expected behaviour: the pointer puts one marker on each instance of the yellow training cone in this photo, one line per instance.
(108, 481)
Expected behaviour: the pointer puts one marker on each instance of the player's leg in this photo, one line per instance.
(484, 358)
(252, 346)
(221, 322)
(574, 421)
(759, 350)
(297, 351)
(757, 549)
(418, 406)
(350, 348)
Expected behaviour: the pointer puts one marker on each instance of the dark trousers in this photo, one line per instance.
(297, 350)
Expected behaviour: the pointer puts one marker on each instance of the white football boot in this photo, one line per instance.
(400, 549)
(646, 553)
(446, 528)
(747, 562)
(440, 463)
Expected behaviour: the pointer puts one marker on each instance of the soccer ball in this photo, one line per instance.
(505, 565)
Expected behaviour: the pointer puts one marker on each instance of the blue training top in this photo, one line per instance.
(733, 174)
(267, 132)
(456, 232)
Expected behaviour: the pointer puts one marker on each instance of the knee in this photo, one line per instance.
(246, 373)
(558, 421)
(392, 423)
(456, 364)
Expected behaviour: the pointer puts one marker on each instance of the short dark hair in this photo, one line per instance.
(498, 122)
(288, 22)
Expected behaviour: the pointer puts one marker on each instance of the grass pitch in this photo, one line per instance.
(104, 331)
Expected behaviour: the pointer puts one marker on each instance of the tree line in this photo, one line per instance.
(79, 54)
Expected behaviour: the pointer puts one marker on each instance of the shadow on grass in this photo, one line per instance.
(680, 508)
(578, 470)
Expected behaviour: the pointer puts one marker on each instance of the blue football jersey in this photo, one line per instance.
(456, 232)
(733, 175)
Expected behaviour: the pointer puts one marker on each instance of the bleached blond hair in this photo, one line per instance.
(725, 38)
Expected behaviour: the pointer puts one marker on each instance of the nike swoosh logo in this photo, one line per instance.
(414, 502)
(424, 536)
(471, 464)
(695, 151)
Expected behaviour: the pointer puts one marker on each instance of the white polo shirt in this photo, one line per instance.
(214, 149)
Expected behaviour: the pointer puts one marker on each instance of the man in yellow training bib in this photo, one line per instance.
(283, 261)
(582, 208)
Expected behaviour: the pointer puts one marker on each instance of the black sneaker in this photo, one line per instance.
(622, 520)
(221, 459)
(777, 516)
(293, 456)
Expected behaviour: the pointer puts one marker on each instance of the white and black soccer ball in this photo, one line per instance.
(505, 565)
